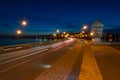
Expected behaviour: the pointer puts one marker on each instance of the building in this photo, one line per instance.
(97, 30)
(110, 37)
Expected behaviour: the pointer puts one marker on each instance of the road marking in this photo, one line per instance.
(23, 56)
(89, 68)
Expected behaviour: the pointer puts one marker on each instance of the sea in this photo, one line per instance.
(11, 41)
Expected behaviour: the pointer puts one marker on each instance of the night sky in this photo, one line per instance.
(45, 16)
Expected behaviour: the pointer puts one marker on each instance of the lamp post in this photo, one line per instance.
(23, 23)
(85, 27)
(64, 32)
(92, 33)
(57, 30)
(19, 31)
(62, 35)
(54, 35)
(83, 31)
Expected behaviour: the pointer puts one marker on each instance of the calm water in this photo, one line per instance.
(7, 42)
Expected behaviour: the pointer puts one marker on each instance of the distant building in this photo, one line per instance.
(97, 29)
(110, 37)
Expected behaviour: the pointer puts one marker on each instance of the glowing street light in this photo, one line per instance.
(92, 33)
(57, 31)
(83, 31)
(19, 32)
(64, 32)
(24, 23)
(54, 35)
(85, 27)
(62, 35)
(67, 34)
(86, 35)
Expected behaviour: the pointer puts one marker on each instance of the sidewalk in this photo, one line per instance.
(89, 69)
(103, 43)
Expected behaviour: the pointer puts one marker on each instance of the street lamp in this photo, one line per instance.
(19, 32)
(57, 31)
(67, 34)
(92, 33)
(54, 35)
(86, 35)
(24, 23)
(64, 32)
(85, 27)
(62, 35)
(83, 31)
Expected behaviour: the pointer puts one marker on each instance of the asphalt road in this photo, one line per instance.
(30, 67)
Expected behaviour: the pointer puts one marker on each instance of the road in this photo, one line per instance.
(28, 68)
(70, 61)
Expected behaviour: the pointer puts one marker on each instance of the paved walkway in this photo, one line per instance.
(89, 69)
(108, 60)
